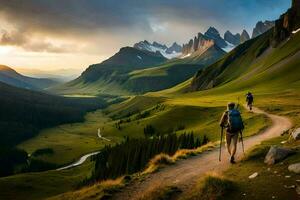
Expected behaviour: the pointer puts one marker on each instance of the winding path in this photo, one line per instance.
(185, 173)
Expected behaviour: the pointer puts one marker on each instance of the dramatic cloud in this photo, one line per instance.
(23, 40)
(101, 27)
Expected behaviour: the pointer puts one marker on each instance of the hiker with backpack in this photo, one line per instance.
(233, 123)
(249, 100)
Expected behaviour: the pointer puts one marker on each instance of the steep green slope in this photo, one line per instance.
(269, 60)
(11, 77)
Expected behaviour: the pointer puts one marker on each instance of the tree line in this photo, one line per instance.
(132, 155)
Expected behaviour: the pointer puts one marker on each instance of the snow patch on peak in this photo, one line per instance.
(163, 49)
(296, 31)
(185, 56)
(229, 47)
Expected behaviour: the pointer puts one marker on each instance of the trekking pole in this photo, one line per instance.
(242, 141)
(221, 144)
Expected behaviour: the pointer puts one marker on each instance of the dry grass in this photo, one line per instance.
(158, 162)
(99, 190)
(160, 193)
(185, 153)
(212, 187)
(162, 160)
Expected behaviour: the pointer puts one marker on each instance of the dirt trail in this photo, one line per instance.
(185, 173)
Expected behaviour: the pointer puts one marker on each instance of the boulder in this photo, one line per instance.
(298, 189)
(296, 134)
(294, 168)
(277, 154)
(254, 175)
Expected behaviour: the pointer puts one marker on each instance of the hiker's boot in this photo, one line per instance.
(232, 160)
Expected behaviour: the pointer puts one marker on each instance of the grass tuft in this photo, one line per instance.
(101, 190)
(161, 193)
(162, 160)
(212, 187)
(157, 162)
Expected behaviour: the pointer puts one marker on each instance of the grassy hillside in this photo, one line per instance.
(132, 71)
(108, 76)
(24, 112)
(235, 184)
(172, 73)
(39, 185)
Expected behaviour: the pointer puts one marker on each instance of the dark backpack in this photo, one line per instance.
(249, 98)
(235, 122)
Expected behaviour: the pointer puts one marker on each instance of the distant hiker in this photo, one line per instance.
(232, 121)
(249, 100)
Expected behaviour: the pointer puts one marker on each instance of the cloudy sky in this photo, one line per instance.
(54, 34)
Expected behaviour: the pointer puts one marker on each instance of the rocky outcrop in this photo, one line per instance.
(287, 23)
(142, 45)
(262, 27)
(244, 36)
(161, 46)
(174, 48)
(202, 42)
(277, 154)
(294, 168)
(199, 43)
(231, 38)
(296, 134)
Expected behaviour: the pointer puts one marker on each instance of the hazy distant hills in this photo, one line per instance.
(60, 75)
(11, 77)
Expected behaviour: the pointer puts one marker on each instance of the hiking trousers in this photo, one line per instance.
(231, 142)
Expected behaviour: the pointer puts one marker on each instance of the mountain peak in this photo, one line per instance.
(262, 27)
(244, 36)
(171, 52)
(175, 48)
(232, 39)
(212, 31)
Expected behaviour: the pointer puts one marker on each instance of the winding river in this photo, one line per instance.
(86, 156)
(79, 162)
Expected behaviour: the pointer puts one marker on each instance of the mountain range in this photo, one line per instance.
(212, 37)
(148, 67)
